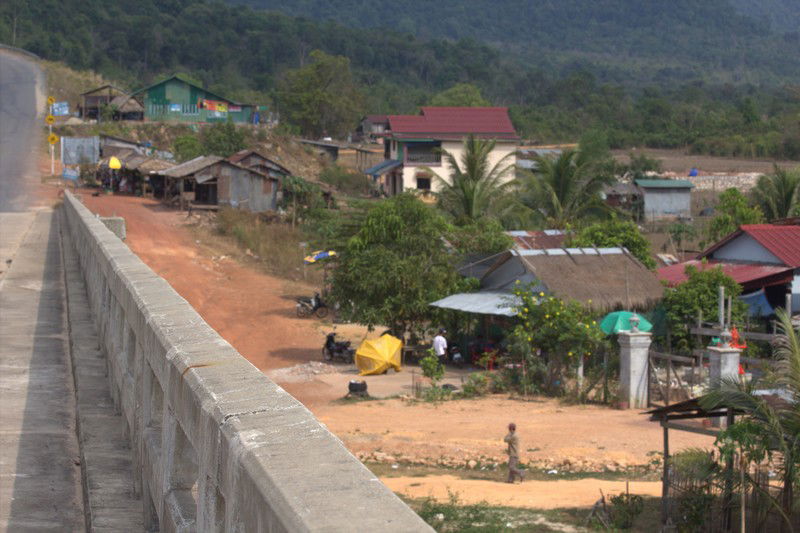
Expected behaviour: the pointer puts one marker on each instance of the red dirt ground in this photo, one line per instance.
(247, 308)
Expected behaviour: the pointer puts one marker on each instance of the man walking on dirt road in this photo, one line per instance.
(513, 454)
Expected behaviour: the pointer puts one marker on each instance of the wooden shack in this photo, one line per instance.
(92, 102)
(211, 181)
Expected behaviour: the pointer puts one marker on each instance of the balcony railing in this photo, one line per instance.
(423, 158)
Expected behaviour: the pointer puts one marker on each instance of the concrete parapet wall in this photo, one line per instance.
(217, 446)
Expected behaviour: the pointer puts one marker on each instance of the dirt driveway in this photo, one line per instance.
(250, 310)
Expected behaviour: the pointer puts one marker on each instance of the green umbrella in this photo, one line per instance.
(621, 321)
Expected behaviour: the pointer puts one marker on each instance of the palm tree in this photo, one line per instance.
(778, 194)
(476, 188)
(777, 427)
(564, 189)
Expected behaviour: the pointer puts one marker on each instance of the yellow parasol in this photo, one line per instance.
(114, 164)
(378, 355)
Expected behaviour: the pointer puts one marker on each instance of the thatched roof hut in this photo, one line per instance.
(604, 279)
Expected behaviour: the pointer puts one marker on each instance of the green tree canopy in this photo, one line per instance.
(321, 98)
(187, 147)
(484, 236)
(732, 212)
(700, 294)
(223, 139)
(778, 194)
(396, 265)
(476, 188)
(462, 95)
(566, 189)
(616, 232)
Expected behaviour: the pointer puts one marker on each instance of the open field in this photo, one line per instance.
(681, 161)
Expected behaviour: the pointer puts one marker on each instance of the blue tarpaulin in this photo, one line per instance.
(757, 304)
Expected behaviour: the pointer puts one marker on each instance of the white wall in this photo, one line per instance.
(457, 149)
(745, 248)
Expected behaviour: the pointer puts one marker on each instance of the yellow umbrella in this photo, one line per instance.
(114, 164)
(378, 355)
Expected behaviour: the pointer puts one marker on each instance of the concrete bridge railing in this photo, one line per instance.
(217, 446)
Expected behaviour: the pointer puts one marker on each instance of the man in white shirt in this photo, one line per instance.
(440, 346)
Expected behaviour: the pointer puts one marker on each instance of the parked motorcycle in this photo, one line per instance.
(333, 349)
(311, 306)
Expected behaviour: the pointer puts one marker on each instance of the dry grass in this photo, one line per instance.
(66, 84)
(275, 245)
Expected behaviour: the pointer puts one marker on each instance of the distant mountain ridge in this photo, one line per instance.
(730, 41)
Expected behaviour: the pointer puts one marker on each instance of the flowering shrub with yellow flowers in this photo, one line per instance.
(555, 332)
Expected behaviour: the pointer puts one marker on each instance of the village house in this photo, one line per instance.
(413, 145)
(92, 102)
(763, 258)
(373, 126)
(665, 198)
(255, 160)
(176, 99)
(603, 279)
(211, 181)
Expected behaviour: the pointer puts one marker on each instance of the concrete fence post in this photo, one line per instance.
(634, 349)
(723, 364)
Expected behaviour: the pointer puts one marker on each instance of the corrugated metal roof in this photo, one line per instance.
(383, 167)
(742, 273)
(537, 240)
(665, 184)
(454, 122)
(193, 165)
(482, 302)
(782, 241)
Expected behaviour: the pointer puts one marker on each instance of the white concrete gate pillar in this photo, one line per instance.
(723, 364)
(634, 348)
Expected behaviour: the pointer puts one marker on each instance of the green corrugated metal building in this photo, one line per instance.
(175, 99)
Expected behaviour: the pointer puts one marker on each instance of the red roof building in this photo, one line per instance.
(414, 145)
(757, 256)
(454, 123)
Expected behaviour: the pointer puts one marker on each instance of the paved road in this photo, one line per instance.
(19, 101)
(40, 475)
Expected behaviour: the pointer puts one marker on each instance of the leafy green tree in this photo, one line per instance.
(778, 194)
(187, 147)
(680, 232)
(321, 98)
(476, 188)
(732, 212)
(560, 332)
(461, 95)
(223, 139)
(700, 295)
(767, 430)
(484, 236)
(395, 266)
(566, 189)
(615, 232)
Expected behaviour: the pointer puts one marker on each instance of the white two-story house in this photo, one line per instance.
(413, 144)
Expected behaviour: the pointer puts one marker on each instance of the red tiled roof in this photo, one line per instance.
(455, 121)
(749, 275)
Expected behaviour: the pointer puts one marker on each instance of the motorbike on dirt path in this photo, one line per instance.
(333, 349)
(311, 306)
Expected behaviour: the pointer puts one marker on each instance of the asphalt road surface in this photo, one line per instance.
(19, 129)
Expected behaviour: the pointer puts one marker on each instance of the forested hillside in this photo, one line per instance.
(617, 40)
(583, 72)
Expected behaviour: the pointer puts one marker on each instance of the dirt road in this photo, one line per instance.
(531, 494)
(249, 309)
(578, 438)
